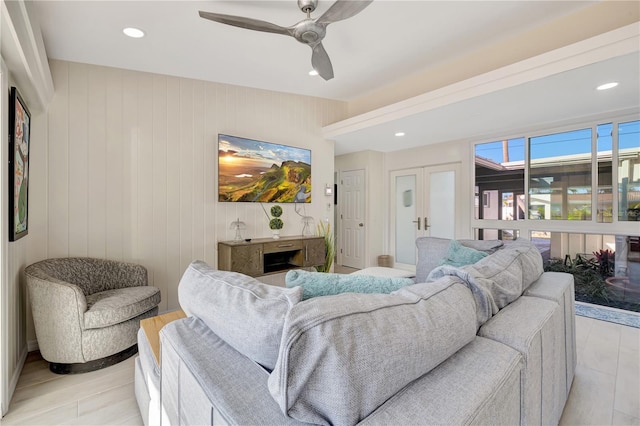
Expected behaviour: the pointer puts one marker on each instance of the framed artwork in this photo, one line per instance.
(19, 141)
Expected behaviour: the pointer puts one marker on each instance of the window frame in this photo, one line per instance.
(592, 226)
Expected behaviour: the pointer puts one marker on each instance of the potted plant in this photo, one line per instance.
(324, 230)
(276, 224)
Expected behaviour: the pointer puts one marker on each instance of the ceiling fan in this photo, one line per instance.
(308, 31)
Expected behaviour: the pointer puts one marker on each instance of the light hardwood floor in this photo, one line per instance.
(605, 391)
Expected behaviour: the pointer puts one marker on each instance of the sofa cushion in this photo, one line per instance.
(324, 284)
(383, 271)
(244, 312)
(342, 356)
(459, 255)
(498, 279)
(431, 250)
(111, 307)
(478, 385)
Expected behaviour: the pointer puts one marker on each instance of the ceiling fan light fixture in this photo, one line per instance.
(606, 86)
(133, 32)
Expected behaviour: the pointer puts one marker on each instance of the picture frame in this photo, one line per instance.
(19, 147)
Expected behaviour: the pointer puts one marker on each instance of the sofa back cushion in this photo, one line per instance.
(498, 279)
(324, 284)
(432, 250)
(246, 313)
(342, 356)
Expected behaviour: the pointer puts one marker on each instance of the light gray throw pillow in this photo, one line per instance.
(432, 250)
(244, 312)
(342, 356)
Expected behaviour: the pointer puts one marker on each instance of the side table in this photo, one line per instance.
(151, 327)
(147, 366)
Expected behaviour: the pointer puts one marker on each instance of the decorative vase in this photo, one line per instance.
(276, 234)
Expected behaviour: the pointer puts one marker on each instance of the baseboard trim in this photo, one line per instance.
(16, 373)
(32, 346)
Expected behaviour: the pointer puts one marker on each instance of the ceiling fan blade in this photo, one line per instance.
(321, 62)
(343, 9)
(247, 23)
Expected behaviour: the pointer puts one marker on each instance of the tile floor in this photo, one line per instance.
(605, 391)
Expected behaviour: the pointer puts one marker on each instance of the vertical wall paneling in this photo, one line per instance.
(129, 186)
(78, 159)
(96, 163)
(159, 185)
(172, 173)
(185, 223)
(131, 167)
(198, 230)
(115, 146)
(58, 159)
(144, 197)
(210, 188)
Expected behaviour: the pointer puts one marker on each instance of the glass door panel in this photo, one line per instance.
(441, 208)
(406, 230)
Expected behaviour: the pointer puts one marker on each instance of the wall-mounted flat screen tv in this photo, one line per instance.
(255, 171)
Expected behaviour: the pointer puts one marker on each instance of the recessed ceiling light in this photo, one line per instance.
(313, 72)
(133, 32)
(607, 86)
(400, 134)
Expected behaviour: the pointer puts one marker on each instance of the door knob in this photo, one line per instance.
(361, 224)
(418, 222)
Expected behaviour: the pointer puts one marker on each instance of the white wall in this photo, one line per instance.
(129, 168)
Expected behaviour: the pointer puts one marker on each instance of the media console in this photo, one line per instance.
(265, 256)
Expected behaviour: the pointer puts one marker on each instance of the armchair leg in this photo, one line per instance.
(96, 364)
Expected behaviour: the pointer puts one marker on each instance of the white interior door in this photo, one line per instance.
(352, 218)
(423, 205)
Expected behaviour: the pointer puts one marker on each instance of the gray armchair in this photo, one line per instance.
(87, 312)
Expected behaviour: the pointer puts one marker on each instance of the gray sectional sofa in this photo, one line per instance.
(492, 342)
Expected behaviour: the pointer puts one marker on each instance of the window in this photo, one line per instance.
(499, 172)
(560, 176)
(629, 171)
(604, 210)
(497, 234)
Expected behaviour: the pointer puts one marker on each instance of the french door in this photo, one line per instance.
(423, 204)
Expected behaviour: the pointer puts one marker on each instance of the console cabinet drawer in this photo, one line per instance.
(279, 246)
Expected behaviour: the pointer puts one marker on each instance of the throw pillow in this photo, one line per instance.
(244, 312)
(432, 249)
(459, 255)
(315, 284)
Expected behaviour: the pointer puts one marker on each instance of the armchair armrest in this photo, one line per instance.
(58, 309)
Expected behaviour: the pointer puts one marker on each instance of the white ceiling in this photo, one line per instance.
(387, 42)
(541, 103)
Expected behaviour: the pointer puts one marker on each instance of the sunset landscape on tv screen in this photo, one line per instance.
(255, 171)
